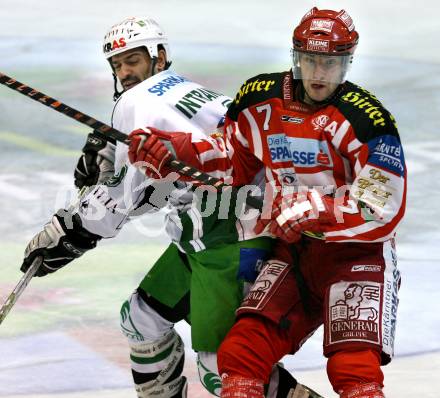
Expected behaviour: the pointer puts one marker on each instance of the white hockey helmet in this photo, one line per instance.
(135, 32)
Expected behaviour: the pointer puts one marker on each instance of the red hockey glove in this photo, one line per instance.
(147, 151)
(297, 213)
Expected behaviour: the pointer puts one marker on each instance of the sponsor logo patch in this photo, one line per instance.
(194, 100)
(322, 46)
(346, 20)
(372, 188)
(386, 152)
(113, 45)
(354, 312)
(391, 302)
(303, 152)
(292, 119)
(319, 122)
(370, 105)
(270, 277)
(253, 86)
(94, 141)
(323, 25)
(366, 268)
(165, 84)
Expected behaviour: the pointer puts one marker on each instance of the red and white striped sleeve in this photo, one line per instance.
(223, 155)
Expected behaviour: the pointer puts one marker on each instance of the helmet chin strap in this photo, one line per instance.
(153, 66)
(117, 93)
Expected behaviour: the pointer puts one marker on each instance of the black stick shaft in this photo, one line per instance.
(108, 131)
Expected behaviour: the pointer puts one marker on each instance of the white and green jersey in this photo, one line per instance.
(168, 102)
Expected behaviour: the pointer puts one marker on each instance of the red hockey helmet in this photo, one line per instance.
(326, 38)
(326, 32)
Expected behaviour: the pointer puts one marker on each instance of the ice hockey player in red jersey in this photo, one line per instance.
(332, 154)
(204, 272)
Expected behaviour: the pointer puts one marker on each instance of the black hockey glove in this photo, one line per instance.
(57, 244)
(96, 163)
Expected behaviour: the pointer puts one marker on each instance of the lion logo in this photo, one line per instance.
(357, 303)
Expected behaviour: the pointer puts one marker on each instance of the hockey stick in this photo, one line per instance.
(107, 131)
(21, 285)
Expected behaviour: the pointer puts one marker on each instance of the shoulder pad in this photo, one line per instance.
(365, 113)
(255, 90)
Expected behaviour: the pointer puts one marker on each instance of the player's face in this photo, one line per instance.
(132, 67)
(321, 74)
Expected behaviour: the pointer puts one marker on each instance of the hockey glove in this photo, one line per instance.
(298, 213)
(58, 245)
(96, 163)
(148, 151)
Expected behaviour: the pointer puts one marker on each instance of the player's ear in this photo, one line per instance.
(161, 60)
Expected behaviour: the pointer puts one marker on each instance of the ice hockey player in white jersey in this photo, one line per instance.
(184, 284)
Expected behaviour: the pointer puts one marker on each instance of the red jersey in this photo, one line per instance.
(349, 146)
